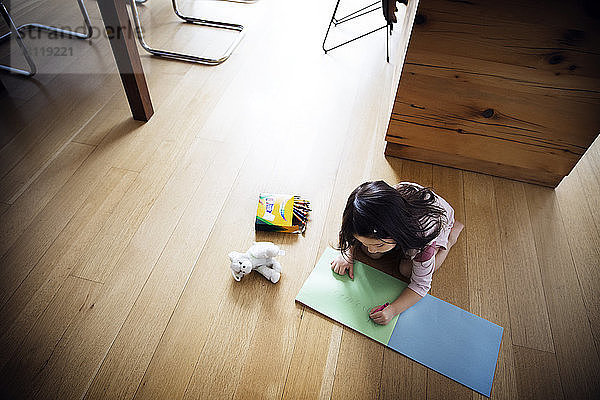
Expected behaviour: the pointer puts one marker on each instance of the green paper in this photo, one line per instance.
(349, 300)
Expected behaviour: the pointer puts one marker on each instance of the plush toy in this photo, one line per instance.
(260, 257)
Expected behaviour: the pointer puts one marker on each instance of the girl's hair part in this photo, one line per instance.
(408, 214)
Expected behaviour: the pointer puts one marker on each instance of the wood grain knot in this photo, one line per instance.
(489, 113)
(556, 59)
(420, 19)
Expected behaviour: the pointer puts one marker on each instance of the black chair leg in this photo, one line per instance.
(365, 10)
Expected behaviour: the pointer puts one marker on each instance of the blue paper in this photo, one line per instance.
(449, 340)
(439, 335)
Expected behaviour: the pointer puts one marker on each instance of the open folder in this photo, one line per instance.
(437, 334)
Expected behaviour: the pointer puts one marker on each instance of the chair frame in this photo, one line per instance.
(358, 13)
(16, 32)
(191, 20)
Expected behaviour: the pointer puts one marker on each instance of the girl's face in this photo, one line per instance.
(374, 245)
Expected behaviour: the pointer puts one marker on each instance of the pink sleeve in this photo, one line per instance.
(422, 271)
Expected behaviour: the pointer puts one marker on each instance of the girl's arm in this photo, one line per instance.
(407, 299)
(423, 266)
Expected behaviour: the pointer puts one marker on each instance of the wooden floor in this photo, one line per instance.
(114, 235)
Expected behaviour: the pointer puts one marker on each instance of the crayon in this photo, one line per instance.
(381, 307)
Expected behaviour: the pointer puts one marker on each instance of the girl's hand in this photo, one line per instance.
(340, 265)
(384, 316)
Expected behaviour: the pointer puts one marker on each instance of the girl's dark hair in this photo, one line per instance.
(408, 215)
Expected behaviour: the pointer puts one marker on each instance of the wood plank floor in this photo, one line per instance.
(114, 235)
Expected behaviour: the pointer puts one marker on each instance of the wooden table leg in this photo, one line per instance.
(122, 40)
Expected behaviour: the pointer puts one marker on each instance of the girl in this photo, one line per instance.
(379, 218)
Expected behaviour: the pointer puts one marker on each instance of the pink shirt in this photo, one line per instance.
(423, 263)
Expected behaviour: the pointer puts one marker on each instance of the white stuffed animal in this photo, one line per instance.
(259, 257)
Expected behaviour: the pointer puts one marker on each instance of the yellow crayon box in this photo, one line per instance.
(281, 213)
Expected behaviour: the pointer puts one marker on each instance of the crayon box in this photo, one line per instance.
(281, 213)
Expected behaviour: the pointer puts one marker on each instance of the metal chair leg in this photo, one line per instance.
(191, 20)
(357, 13)
(62, 32)
(19, 39)
(16, 32)
(388, 32)
(335, 21)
